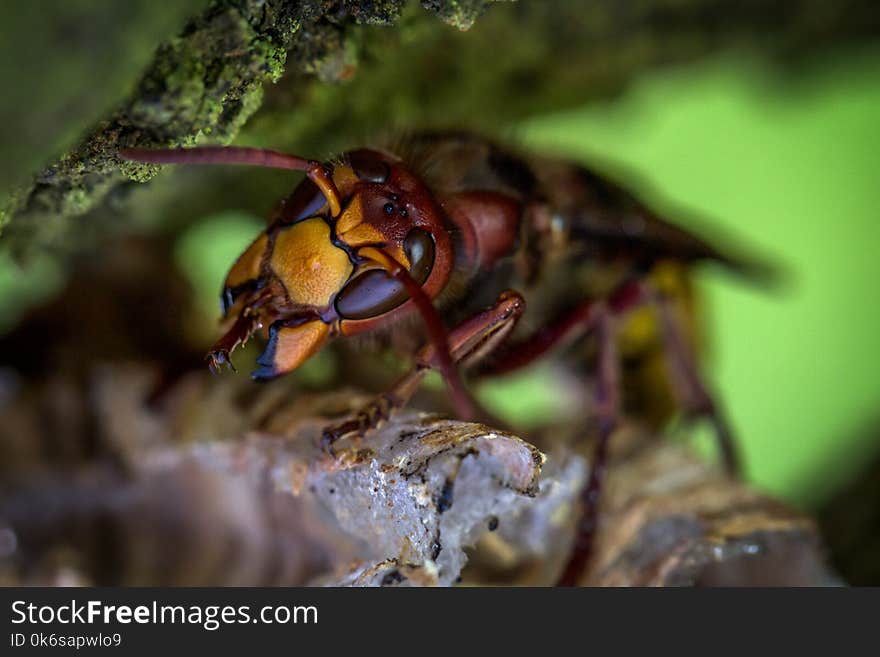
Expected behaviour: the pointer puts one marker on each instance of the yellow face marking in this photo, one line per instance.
(351, 217)
(344, 177)
(362, 234)
(308, 264)
(247, 267)
(297, 344)
(354, 231)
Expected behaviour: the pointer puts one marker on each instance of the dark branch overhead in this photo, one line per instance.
(205, 84)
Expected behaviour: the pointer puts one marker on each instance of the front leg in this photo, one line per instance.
(238, 334)
(469, 342)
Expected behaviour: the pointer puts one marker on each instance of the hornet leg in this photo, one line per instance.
(608, 410)
(469, 342)
(696, 400)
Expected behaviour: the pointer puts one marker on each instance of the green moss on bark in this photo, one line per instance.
(458, 13)
(201, 87)
(521, 58)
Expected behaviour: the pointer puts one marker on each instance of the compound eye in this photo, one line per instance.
(419, 248)
(375, 292)
(369, 166)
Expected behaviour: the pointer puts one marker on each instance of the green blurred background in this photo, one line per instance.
(789, 164)
(794, 168)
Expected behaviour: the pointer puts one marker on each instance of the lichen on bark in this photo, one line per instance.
(204, 84)
(458, 13)
(201, 86)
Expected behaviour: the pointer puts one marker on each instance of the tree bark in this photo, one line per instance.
(204, 85)
(218, 484)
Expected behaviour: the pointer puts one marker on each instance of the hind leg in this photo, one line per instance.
(607, 414)
(581, 320)
(695, 397)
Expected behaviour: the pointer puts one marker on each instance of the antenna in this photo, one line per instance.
(255, 157)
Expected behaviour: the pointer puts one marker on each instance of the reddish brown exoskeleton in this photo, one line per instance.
(470, 236)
